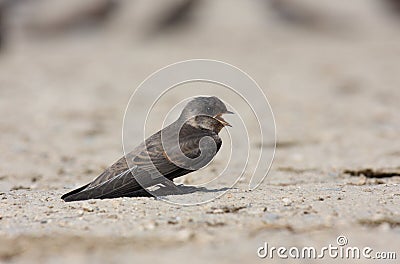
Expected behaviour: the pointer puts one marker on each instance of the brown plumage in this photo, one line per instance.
(158, 161)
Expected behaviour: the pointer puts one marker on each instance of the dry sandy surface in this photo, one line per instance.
(335, 93)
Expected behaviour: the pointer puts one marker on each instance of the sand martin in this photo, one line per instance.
(186, 145)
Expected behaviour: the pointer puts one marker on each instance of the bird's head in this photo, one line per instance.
(205, 113)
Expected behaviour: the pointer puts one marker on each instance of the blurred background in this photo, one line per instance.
(330, 70)
(68, 68)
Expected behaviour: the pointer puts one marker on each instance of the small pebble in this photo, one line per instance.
(185, 235)
(87, 208)
(287, 202)
(174, 221)
(217, 211)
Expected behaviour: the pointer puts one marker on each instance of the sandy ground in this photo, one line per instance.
(334, 90)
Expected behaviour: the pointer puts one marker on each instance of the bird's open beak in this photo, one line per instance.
(223, 121)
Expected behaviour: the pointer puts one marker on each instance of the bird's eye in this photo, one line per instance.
(209, 110)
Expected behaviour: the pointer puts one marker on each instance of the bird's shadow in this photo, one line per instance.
(167, 191)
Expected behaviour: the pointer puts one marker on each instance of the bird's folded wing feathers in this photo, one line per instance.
(146, 168)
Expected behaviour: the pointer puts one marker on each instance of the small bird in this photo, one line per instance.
(186, 145)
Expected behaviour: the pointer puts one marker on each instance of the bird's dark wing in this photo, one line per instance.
(104, 189)
(147, 165)
(119, 180)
